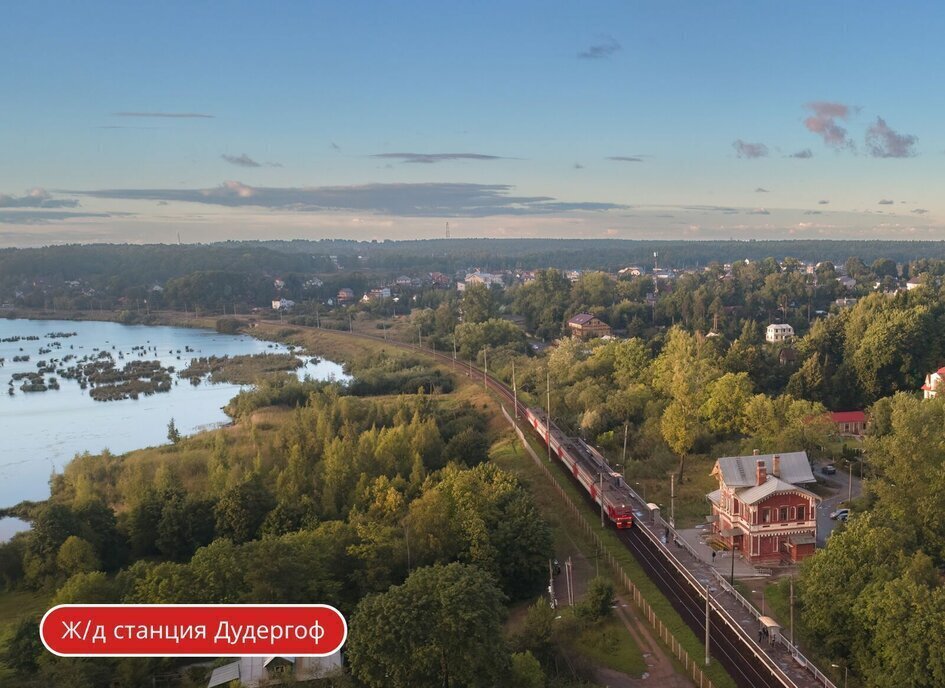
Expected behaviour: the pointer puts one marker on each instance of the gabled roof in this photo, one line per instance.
(848, 416)
(739, 471)
(715, 497)
(224, 674)
(270, 660)
(581, 319)
(755, 494)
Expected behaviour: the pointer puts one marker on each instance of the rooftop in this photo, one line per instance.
(739, 471)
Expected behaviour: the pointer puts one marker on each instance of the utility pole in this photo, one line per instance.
(792, 610)
(672, 499)
(600, 496)
(514, 389)
(850, 488)
(548, 417)
(454, 353)
(485, 369)
(623, 457)
(731, 579)
(707, 611)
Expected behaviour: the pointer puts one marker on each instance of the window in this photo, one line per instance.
(783, 514)
(735, 507)
(766, 515)
(800, 513)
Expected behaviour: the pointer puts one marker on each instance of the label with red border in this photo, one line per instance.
(193, 630)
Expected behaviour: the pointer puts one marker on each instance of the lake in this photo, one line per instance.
(41, 431)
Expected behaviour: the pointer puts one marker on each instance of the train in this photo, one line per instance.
(589, 468)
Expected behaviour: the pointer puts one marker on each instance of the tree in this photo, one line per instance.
(478, 304)
(93, 587)
(77, 556)
(442, 627)
(525, 671)
(173, 434)
(243, 509)
(598, 600)
(24, 647)
(724, 408)
(680, 427)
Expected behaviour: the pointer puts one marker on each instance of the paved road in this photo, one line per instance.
(840, 482)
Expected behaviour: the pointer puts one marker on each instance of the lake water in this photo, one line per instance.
(41, 431)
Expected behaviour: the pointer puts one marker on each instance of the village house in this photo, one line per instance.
(914, 283)
(760, 508)
(440, 281)
(585, 326)
(932, 382)
(282, 304)
(777, 333)
(850, 423)
(485, 278)
(632, 270)
(250, 672)
(345, 295)
(376, 294)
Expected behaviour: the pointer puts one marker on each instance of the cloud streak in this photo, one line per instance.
(625, 158)
(749, 151)
(823, 121)
(36, 198)
(602, 50)
(883, 142)
(431, 158)
(241, 160)
(802, 154)
(406, 200)
(166, 115)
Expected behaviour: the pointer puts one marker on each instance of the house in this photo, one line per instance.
(440, 281)
(915, 283)
(776, 333)
(932, 383)
(845, 303)
(585, 326)
(345, 295)
(761, 509)
(250, 672)
(484, 278)
(376, 294)
(282, 304)
(313, 283)
(846, 281)
(786, 355)
(278, 283)
(850, 422)
(632, 270)
(403, 281)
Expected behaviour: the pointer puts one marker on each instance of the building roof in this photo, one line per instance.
(224, 674)
(739, 471)
(715, 497)
(581, 319)
(803, 539)
(270, 660)
(756, 493)
(848, 416)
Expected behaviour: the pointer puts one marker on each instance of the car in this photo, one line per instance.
(828, 469)
(840, 514)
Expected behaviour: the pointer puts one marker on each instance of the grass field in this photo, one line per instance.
(609, 645)
(15, 606)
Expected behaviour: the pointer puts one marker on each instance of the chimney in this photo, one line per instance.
(754, 452)
(761, 474)
(776, 467)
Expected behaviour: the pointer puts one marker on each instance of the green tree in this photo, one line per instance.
(525, 671)
(478, 304)
(93, 587)
(598, 600)
(242, 510)
(442, 627)
(77, 556)
(173, 434)
(724, 407)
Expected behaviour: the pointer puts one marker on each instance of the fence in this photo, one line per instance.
(691, 665)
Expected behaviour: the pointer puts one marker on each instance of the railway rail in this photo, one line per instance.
(730, 644)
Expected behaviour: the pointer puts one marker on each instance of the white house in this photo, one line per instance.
(485, 278)
(914, 283)
(932, 383)
(777, 333)
(282, 304)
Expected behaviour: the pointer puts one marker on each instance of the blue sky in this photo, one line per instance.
(305, 106)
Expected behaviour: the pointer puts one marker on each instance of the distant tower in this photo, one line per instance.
(447, 230)
(178, 238)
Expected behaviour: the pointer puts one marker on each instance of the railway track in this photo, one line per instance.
(729, 643)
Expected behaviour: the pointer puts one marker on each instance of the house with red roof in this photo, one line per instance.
(761, 508)
(932, 381)
(850, 423)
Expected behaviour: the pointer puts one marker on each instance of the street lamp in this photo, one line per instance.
(846, 673)
(732, 577)
(755, 592)
(642, 487)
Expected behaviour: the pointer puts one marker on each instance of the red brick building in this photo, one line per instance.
(760, 508)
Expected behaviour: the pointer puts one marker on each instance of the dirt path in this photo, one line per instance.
(660, 671)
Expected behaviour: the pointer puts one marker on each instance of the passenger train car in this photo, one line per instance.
(589, 468)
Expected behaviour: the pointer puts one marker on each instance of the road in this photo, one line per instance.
(840, 481)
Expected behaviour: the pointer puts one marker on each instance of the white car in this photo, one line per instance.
(840, 514)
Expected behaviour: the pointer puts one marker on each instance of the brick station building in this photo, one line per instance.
(761, 509)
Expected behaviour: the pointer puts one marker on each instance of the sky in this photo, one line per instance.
(204, 121)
